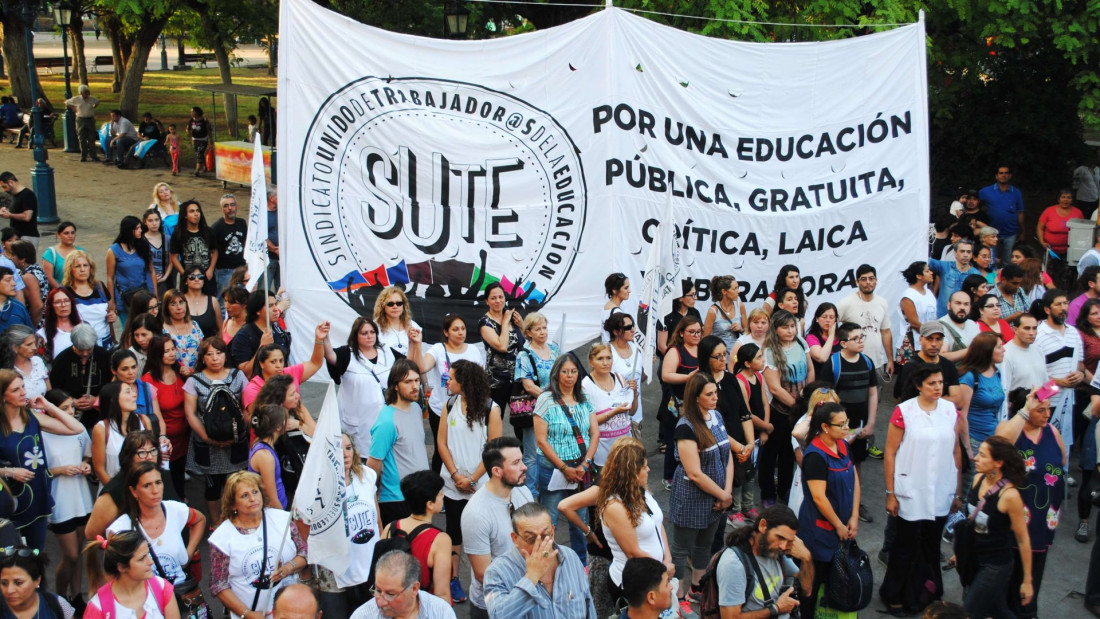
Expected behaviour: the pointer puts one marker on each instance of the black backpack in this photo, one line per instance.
(850, 579)
(221, 413)
(400, 540)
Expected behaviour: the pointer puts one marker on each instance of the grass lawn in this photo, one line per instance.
(169, 96)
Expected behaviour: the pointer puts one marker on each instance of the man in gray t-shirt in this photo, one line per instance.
(774, 542)
(487, 518)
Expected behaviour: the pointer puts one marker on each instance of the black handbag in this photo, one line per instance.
(966, 555)
(851, 581)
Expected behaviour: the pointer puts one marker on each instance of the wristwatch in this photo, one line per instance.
(773, 609)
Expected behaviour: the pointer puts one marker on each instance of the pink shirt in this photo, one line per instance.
(252, 389)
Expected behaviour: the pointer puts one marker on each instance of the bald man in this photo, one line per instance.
(296, 602)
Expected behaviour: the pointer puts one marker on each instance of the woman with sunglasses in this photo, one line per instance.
(21, 573)
(204, 308)
(271, 361)
(438, 360)
(111, 503)
(501, 331)
(164, 523)
(21, 429)
(617, 287)
(361, 368)
(183, 330)
(393, 316)
(625, 362)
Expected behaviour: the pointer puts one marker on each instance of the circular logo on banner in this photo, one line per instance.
(443, 188)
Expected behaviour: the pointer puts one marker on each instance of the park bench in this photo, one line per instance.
(49, 63)
(200, 58)
(102, 61)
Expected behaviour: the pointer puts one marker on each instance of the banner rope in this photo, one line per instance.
(716, 19)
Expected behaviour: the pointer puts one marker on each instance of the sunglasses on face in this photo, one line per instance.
(195, 277)
(12, 551)
(395, 303)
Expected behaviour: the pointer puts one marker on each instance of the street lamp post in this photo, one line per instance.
(41, 174)
(163, 53)
(455, 18)
(63, 14)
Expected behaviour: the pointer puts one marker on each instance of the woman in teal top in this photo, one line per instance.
(982, 393)
(53, 259)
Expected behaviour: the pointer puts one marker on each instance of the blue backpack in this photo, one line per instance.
(835, 360)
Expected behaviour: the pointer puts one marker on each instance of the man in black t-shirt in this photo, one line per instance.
(857, 387)
(24, 209)
(931, 341)
(229, 236)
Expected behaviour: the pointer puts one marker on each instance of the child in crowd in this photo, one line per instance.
(173, 140)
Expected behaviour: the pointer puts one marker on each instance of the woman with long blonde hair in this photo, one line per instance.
(167, 206)
(92, 298)
(393, 316)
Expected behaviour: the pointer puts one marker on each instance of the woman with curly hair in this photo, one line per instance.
(631, 522)
(469, 419)
(393, 316)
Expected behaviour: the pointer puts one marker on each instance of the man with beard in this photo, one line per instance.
(959, 329)
(487, 521)
(1061, 344)
(1024, 365)
(872, 314)
(766, 548)
(952, 273)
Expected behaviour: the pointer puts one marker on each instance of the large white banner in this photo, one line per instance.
(545, 161)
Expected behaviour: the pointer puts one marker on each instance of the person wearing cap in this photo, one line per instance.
(973, 210)
(931, 342)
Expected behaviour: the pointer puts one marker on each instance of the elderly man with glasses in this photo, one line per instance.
(397, 592)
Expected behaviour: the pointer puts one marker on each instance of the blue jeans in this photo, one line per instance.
(1005, 243)
(551, 499)
(221, 276)
(531, 461)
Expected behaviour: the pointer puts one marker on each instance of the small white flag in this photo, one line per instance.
(662, 272)
(255, 246)
(319, 500)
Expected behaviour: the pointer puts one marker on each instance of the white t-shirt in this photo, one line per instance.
(465, 444)
(441, 373)
(362, 525)
(169, 547)
(925, 306)
(397, 339)
(1023, 367)
(873, 316)
(623, 367)
(72, 496)
(616, 427)
(966, 332)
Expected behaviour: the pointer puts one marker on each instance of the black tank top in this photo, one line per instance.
(688, 364)
(995, 545)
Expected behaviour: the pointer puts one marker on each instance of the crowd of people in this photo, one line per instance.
(119, 388)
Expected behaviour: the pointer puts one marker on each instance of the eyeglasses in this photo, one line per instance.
(628, 327)
(395, 303)
(693, 331)
(721, 355)
(153, 307)
(867, 278)
(858, 338)
(195, 277)
(147, 453)
(12, 551)
(841, 425)
(994, 306)
(388, 597)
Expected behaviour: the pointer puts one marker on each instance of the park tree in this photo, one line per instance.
(134, 26)
(15, 53)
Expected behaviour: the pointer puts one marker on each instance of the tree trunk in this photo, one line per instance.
(214, 36)
(80, 62)
(15, 57)
(113, 28)
(180, 51)
(272, 54)
(144, 40)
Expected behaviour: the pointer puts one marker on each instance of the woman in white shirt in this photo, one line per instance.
(630, 517)
(134, 591)
(393, 316)
(917, 305)
(362, 525)
(624, 354)
(613, 400)
(18, 348)
(437, 361)
(161, 522)
(469, 419)
(361, 369)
